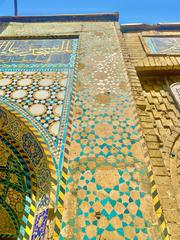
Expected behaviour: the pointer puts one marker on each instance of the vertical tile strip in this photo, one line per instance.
(65, 154)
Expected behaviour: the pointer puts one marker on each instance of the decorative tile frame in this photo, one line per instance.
(58, 164)
(31, 210)
(147, 48)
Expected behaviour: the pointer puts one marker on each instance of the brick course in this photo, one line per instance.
(159, 119)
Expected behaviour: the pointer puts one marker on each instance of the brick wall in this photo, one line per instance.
(159, 119)
(142, 61)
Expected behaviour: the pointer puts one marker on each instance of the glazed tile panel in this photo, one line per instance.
(36, 78)
(36, 54)
(23, 168)
(42, 94)
(38, 74)
(108, 191)
(163, 45)
(13, 190)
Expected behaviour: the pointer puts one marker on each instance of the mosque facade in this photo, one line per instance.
(89, 129)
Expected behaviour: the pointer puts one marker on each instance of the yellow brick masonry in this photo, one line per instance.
(144, 62)
(159, 120)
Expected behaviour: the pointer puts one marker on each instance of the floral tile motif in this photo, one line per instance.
(40, 225)
(36, 78)
(13, 189)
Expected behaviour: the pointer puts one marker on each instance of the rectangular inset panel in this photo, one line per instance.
(36, 54)
(162, 45)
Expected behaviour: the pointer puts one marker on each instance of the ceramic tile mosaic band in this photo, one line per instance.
(65, 155)
(42, 55)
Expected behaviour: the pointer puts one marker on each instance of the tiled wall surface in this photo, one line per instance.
(102, 184)
(36, 82)
(108, 194)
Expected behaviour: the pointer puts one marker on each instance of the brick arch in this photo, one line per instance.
(29, 143)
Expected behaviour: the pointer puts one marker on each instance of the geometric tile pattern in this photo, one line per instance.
(154, 189)
(23, 164)
(13, 190)
(37, 81)
(157, 205)
(64, 159)
(28, 218)
(116, 207)
(41, 94)
(108, 193)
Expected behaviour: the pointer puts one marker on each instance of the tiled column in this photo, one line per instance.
(108, 190)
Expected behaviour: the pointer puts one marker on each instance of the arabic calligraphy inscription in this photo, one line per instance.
(31, 52)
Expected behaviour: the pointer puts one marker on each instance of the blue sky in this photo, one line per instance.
(131, 11)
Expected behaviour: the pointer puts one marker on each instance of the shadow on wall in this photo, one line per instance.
(8, 238)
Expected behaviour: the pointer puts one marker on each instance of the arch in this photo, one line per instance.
(30, 148)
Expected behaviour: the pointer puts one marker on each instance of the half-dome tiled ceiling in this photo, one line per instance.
(23, 171)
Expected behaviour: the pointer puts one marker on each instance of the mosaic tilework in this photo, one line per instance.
(41, 94)
(64, 158)
(108, 194)
(28, 218)
(33, 124)
(26, 146)
(40, 225)
(36, 54)
(7, 226)
(13, 189)
(40, 97)
(20, 154)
